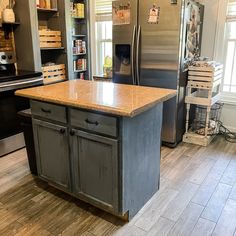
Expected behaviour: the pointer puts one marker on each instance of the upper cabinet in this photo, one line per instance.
(53, 38)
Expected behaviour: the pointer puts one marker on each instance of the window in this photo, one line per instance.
(229, 84)
(103, 35)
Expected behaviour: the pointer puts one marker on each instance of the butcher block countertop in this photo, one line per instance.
(116, 99)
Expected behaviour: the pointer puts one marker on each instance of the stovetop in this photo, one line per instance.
(17, 75)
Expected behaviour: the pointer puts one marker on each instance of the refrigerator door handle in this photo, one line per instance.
(133, 55)
(137, 56)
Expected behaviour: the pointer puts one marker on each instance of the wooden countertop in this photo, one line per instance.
(117, 99)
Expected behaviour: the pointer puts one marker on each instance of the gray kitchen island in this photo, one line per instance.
(99, 141)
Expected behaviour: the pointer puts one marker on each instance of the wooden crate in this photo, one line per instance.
(203, 89)
(197, 139)
(6, 44)
(54, 73)
(50, 39)
(205, 74)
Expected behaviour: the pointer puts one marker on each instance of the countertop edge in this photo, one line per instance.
(104, 109)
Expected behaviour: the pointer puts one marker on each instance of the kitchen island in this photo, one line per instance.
(99, 141)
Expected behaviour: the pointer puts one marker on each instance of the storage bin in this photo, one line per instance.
(50, 39)
(54, 72)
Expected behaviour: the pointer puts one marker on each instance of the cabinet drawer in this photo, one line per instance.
(49, 111)
(94, 122)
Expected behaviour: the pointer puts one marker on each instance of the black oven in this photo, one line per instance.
(10, 105)
(11, 136)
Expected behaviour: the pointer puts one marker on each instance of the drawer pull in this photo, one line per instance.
(91, 122)
(45, 110)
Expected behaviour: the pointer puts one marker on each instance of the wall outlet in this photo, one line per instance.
(173, 1)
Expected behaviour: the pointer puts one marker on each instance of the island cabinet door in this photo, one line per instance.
(95, 169)
(52, 151)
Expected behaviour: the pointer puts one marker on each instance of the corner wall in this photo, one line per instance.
(213, 29)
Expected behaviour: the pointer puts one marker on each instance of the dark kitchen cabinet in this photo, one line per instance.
(99, 158)
(95, 169)
(52, 150)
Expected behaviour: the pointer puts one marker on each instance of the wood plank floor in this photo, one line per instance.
(197, 197)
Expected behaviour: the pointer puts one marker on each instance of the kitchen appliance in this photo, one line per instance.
(150, 49)
(11, 137)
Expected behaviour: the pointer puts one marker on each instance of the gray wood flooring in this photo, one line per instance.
(197, 197)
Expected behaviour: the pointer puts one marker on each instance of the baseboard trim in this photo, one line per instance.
(232, 129)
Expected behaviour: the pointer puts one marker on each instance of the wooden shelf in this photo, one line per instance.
(78, 18)
(61, 48)
(79, 71)
(78, 35)
(47, 10)
(79, 54)
(6, 24)
(202, 140)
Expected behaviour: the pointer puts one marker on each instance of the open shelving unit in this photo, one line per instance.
(52, 42)
(37, 50)
(79, 16)
(57, 18)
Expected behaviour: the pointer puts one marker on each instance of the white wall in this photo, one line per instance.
(229, 116)
(209, 27)
(213, 29)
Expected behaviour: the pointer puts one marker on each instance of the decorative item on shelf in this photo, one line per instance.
(80, 65)
(6, 44)
(53, 72)
(46, 4)
(79, 47)
(77, 10)
(50, 39)
(8, 15)
(81, 76)
(42, 4)
(37, 3)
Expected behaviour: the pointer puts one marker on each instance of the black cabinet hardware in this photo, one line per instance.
(91, 122)
(45, 110)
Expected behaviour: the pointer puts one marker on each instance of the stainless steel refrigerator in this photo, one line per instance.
(150, 49)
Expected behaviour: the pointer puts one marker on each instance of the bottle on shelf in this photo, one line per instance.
(80, 65)
(77, 10)
(81, 76)
(79, 47)
(42, 3)
(37, 3)
(48, 4)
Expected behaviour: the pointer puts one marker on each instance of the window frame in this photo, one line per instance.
(99, 41)
(93, 19)
(220, 50)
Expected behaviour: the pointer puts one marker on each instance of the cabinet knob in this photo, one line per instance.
(72, 132)
(62, 131)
